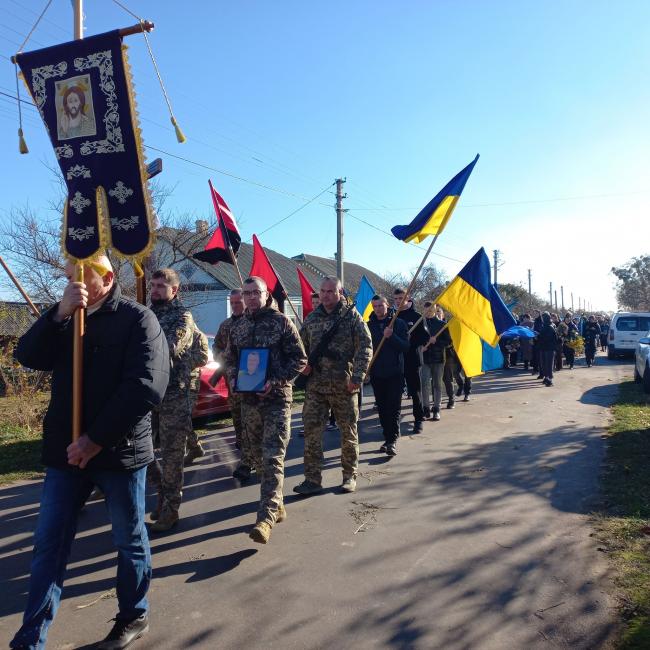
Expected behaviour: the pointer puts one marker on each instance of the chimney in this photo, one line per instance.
(201, 227)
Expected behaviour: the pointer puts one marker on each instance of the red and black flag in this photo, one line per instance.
(306, 290)
(225, 238)
(263, 268)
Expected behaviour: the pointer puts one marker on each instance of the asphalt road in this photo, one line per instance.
(476, 536)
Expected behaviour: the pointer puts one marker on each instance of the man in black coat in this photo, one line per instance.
(125, 374)
(387, 372)
(417, 338)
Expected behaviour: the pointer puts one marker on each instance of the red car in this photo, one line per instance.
(212, 399)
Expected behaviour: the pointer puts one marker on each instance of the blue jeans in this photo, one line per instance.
(64, 494)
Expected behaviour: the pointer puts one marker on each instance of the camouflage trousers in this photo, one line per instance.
(266, 429)
(193, 441)
(172, 424)
(315, 415)
(235, 400)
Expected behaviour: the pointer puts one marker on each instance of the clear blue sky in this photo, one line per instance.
(397, 97)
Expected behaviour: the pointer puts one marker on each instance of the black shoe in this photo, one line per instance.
(308, 488)
(540, 376)
(427, 412)
(124, 633)
(417, 426)
(382, 449)
(451, 404)
(436, 414)
(391, 450)
(243, 473)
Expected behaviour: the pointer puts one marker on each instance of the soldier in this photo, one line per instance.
(266, 416)
(245, 467)
(200, 356)
(334, 380)
(172, 420)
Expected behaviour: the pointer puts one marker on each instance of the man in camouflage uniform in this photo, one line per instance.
(333, 384)
(245, 467)
(266, 416)
(200, 356)
(172, 420)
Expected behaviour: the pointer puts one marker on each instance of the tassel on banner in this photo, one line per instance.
(22, 145)
(137, 269)
(180, 136)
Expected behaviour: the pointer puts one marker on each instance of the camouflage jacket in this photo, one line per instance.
(223, 335)
(178, 325)
(267, 328)
(348, 354)
(200, 356)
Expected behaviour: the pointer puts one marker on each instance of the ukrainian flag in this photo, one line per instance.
(433, 218)
(363, 299)
(472, 299)
(476, 356)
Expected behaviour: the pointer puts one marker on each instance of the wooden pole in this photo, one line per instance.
(234, 263)
(293, 309)
(79, 321)
(406, 297)
(14, 279)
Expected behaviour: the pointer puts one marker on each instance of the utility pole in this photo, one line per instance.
(550, 294)
(556, 300)
(496, 266)
(530, 290)
(572, 302)
(78, 20)
(562, 294)
(339, 229)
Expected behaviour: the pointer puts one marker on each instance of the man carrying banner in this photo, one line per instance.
(172, 420)
(417, 338)
(334, 379)
(125, 376)
(266, 415)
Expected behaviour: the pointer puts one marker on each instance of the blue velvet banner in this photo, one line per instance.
(83, 92)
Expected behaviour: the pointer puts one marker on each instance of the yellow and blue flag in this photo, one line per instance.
(363, 298)
(433, 218)
(474, 301)
(476, 356)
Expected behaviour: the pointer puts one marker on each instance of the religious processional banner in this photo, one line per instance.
(84, 93)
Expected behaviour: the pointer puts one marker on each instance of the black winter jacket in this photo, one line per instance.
(125, 374)
(436, 353)
(419, 337)
(547, 338)
(390, 361)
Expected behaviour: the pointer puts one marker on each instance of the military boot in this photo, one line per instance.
(167, 520)
(155, 513)
(192, 454)
(282, 514)
(261, 532)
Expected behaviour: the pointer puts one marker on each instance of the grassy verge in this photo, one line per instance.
(624, 526)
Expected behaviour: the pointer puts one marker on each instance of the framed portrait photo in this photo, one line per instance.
(253, 369)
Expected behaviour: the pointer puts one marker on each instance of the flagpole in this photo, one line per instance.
(406, 297)
(19, 286)
(79, 319)
(224, 231)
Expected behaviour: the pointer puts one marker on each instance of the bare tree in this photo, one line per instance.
(429, 284)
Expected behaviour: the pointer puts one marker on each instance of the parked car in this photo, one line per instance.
(642, 362)
(212, 400)
(625, 331)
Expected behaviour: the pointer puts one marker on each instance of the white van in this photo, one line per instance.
(625, 331)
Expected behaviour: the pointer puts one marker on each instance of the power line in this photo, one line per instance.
(277, 223)
(372, 225)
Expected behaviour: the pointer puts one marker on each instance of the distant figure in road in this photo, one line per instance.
(525, 343)
(547, 343)
(591, 334)
(572, 335)
(433, 360)
(126, 370)
(603, 323)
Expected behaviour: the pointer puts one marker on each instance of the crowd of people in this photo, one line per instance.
(554, 342)
(140, 382)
